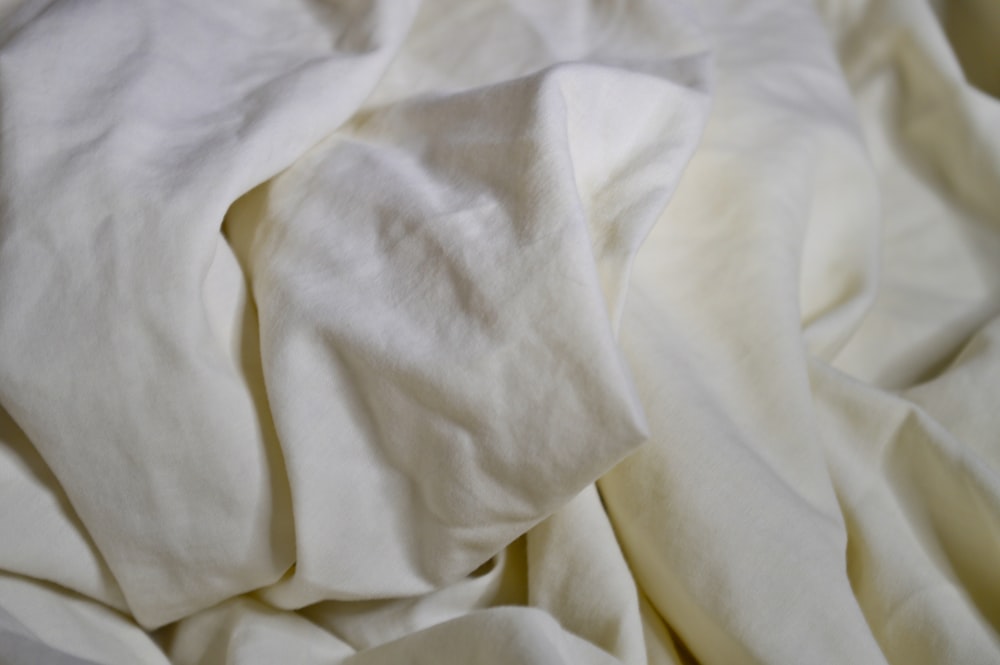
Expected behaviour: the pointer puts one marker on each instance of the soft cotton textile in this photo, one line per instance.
(359, 333)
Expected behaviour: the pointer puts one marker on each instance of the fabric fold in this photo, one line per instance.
(113, 201)
(460, 312)
(358, 332)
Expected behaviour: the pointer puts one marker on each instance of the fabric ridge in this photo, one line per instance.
(499, 331)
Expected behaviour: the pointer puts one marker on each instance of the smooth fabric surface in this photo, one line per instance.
(647, 331)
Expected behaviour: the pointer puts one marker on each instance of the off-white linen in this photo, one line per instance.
(538, 331)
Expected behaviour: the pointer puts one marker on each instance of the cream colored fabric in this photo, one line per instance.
(548, 331)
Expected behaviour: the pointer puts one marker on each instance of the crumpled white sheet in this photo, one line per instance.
(657, 331)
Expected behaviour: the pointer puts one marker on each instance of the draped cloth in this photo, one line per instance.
(645, 331)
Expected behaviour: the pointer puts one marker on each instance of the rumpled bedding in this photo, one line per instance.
(544, 332)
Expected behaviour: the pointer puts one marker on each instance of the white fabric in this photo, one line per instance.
(656, 331)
